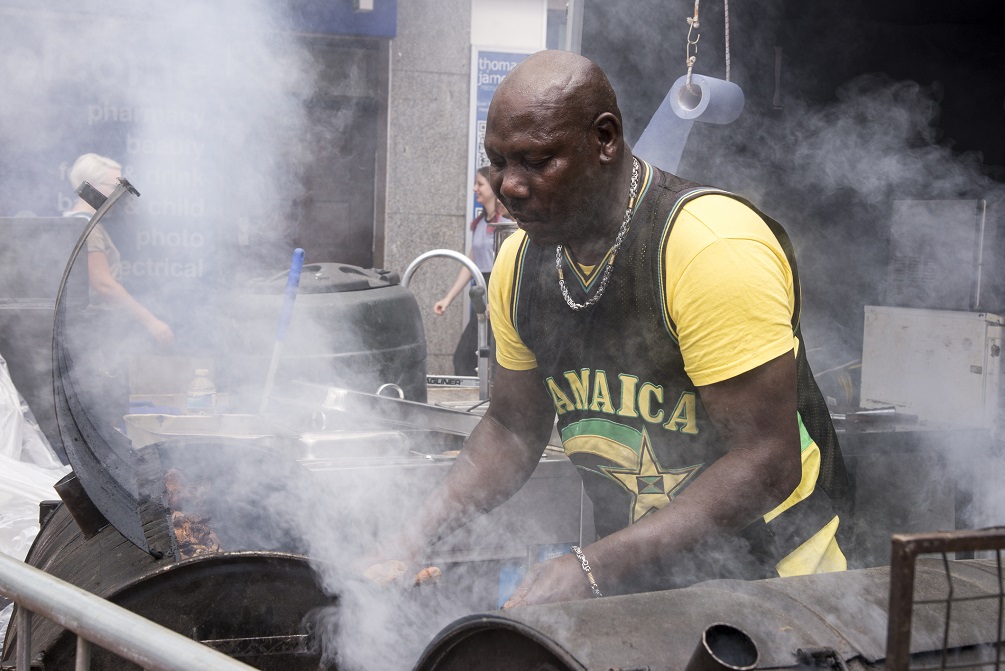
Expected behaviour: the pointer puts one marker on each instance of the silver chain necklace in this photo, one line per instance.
(614, 250)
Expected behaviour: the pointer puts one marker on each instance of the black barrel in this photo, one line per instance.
(351, 327)
(247, 594)
(248, 605)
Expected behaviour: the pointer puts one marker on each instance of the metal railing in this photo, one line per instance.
(478, 295)
(95, 620)
(905, 550)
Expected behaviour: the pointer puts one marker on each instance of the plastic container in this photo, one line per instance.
(201, 395)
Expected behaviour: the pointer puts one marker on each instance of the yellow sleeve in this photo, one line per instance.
(729, 290)
(511, 352)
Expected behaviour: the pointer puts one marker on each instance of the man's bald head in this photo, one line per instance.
(558, 80)
(557, 154)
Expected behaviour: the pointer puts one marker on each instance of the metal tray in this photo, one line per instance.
(146, 429)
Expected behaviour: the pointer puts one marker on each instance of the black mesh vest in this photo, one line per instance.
(616, 375)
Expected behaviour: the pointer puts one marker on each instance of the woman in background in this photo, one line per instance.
(104, 341)
(104, 263)
(483, 254)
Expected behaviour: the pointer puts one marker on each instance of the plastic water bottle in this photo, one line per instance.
(201, 397)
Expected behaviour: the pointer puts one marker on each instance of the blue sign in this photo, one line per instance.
(488, 67)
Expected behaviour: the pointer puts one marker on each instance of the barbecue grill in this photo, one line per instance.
(198, 523)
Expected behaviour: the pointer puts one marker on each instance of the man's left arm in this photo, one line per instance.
(755, 413)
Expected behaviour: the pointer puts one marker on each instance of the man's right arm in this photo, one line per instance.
(497, 459)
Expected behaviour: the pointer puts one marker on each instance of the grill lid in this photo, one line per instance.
(102, 458)
(326, 278)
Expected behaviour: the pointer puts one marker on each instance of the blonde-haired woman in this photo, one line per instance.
(104, 263)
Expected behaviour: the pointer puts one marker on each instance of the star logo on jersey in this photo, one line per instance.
(651, 487)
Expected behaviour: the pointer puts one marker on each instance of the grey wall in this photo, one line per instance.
(427, 179)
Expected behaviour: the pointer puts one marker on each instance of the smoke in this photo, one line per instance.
(366, 510)
(203, 106)
(215, 111)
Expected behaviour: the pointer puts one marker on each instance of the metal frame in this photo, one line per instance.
(95, 620)
(574, 26)
(905, 549)
(479, 293)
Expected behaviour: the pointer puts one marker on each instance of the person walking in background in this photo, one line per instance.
(104, 263)
(483, 254)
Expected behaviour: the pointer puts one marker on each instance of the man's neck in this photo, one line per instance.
(591, 252)
(591, 249)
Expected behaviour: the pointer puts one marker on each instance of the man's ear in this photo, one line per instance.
(607, 130)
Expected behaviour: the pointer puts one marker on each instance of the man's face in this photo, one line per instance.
(541, 169)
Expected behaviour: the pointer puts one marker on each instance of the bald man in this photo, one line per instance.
(658, 320)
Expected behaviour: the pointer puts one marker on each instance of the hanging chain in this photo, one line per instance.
(726, 11)
(692, 46)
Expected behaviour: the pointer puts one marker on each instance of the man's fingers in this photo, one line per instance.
(394, 571)
(428, 576)
(512, 603)
(519, 597)
(385, 572)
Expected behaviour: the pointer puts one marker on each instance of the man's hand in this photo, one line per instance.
(559, 579)
(395, 571)
(497, 459)
(386, 572)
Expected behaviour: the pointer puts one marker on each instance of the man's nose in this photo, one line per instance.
(513, 185)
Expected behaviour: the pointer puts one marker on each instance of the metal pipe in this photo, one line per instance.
(23, 653)
(479, 279)
(723, 647)
(83, 660)
(110, 626)
(79, 504)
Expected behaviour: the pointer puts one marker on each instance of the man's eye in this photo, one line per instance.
(537, 162)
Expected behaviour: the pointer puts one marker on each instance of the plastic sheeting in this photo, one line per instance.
(28, 469)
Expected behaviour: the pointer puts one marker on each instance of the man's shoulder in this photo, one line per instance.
(511, 245)
(718, 224)
(675, 184)
(723, 215)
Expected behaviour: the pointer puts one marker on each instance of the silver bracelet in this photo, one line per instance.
(589, 574)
